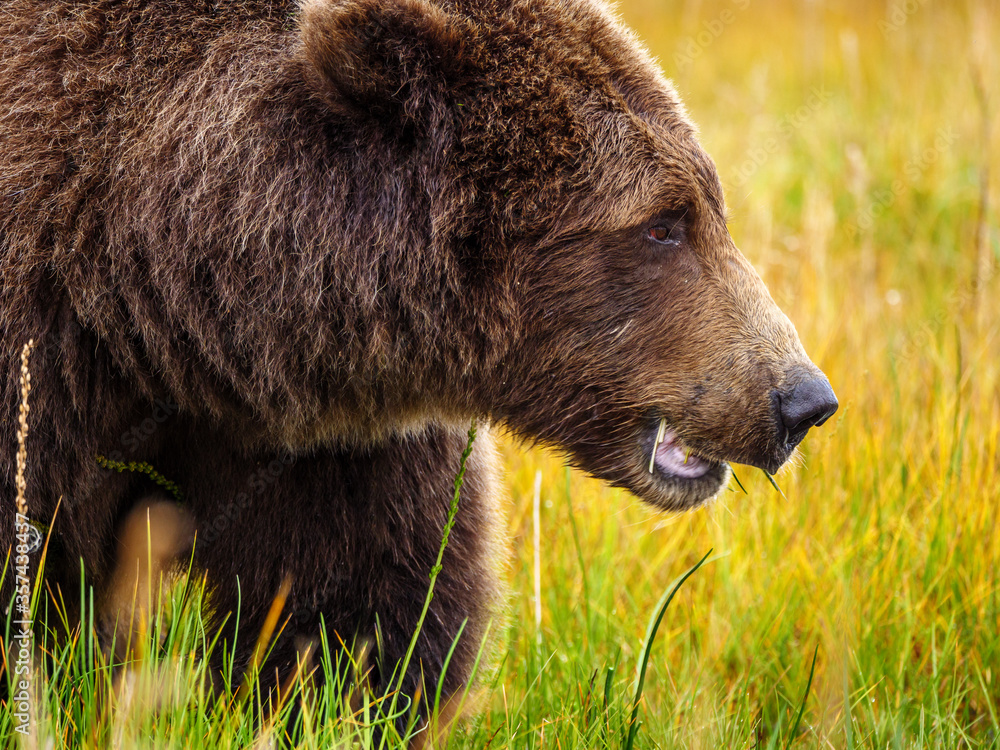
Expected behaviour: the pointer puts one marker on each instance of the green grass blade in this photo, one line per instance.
(737, 480)
(633, 725)
(805, 697)
(449, 524)
(774, 484)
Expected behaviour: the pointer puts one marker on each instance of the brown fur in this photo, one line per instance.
(322, 235)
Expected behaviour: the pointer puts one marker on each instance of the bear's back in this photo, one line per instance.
(80, 82)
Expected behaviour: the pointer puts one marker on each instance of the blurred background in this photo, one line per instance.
(859, 144)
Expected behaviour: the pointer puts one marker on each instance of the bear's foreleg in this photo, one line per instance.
(355, 531)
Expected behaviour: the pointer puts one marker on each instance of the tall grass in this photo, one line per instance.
(862, 608)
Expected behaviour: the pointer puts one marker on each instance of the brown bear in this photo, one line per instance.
(283, 252)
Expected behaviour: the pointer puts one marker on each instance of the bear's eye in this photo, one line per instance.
(669, 230)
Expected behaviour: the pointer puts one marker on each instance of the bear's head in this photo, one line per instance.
(585, 229)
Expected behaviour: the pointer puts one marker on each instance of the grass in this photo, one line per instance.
(861, 608)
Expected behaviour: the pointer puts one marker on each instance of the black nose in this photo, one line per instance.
(808, 404)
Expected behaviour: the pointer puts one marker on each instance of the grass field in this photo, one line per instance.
(860, 149)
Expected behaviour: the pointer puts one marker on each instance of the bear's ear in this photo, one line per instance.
(381, 54)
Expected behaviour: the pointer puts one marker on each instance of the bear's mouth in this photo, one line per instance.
(679, 476)
(671, 457)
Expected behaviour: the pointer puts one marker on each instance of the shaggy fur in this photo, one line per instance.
(248, 234)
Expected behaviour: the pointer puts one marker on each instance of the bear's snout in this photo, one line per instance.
(808, 403)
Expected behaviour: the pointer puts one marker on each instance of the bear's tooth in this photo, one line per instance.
(656, 443)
